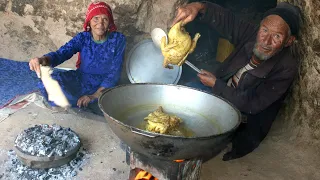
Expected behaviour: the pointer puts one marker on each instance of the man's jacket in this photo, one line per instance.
(258, 89)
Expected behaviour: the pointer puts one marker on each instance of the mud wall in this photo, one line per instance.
(301, 114)
(31, 28)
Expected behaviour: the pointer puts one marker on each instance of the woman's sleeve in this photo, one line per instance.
(66, 51)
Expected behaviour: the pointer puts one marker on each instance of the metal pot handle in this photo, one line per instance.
(137, 131)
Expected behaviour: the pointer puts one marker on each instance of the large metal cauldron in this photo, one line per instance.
(212, 119)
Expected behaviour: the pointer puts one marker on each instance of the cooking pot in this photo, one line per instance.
(211, 119)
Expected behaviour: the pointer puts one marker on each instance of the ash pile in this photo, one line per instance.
(14, 169)
(45, 140)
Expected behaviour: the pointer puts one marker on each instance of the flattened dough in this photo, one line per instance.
(53, 88)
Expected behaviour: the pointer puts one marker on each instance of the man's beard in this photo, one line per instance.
(260, 55)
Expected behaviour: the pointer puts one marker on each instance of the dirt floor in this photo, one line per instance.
(276, 158)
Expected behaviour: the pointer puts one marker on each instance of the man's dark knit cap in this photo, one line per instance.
(289, 13)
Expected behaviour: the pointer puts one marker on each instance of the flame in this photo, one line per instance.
(179, 160)
(144, 175)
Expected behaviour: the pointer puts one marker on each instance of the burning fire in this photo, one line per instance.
(144, 175)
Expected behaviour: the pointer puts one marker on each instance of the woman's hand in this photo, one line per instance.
(34, 63)
(85, 100)
(188, 12)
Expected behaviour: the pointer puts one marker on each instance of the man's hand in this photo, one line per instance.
(188, 12)
(207, 78)
(34, 63)
(85, 100)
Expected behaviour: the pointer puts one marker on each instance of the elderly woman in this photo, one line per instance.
(101, 51)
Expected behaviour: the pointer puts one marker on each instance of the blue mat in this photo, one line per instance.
(16, 79)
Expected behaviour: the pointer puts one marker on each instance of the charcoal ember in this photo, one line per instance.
(14, 169)
(42, 152)
(73, 173)
(64, 137)
(59, 152)
(29, 149)
(81, 154)
(75, 163)
(56, 127)
(67, 170)
(54, 172)
(41, 176)
(47, 132)
(47, 140)
(44, 140)
(75, 139)
(51, 153)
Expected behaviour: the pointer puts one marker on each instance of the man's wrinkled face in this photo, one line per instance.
(272, 36)
(99, 24)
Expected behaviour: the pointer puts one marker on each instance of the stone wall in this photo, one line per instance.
(302, 111)
(31, 28)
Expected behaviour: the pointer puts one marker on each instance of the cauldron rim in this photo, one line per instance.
(151, 134)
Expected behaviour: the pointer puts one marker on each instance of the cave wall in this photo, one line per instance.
(301, 114)
(31, 28)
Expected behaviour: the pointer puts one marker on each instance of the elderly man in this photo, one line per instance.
(257, 74)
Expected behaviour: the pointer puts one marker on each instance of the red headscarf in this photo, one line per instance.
(94, 9)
